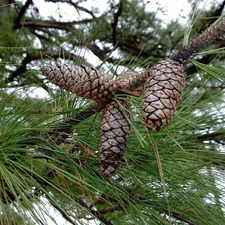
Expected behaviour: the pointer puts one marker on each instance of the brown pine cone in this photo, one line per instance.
(84, 81)
(163, 92)
(114, 133)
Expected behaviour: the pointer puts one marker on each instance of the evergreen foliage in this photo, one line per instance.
(49, 146)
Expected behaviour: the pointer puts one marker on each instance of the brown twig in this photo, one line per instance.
(64, 215)
(62, 130)
(21, 14)
(199, 42)
(67, 26)
(116, 16)
(96, 213)
(134, 198)
(22, 68)
(75, 5)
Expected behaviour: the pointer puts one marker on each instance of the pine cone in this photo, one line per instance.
(84, 81)
(114, 133)
(163, 92)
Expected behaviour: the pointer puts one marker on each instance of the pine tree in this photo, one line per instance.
(63, 152)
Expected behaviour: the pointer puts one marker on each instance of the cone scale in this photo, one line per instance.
(114, 133)
(163, 88)
(84, 81)
(163, 91)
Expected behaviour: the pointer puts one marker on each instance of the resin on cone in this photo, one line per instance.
(84, 81)
(114, 133)
(163, 91)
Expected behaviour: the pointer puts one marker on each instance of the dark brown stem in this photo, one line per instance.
(97, 214)
(201, 41)
(36, 56)
(137, 197)
(64, 215)
(75, 5)
(67, 26)
(116, 19)
(101, 54)
(62, 130)
(21, 14)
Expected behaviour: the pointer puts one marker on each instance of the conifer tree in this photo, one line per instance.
(136, 137)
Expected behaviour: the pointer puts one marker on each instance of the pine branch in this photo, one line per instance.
(176, 215)
(116, 16)
(219, 10)
(62, 130)
(199, 42)
(64, 215)
(67, 26)
(132, 82)
(101, 54)
(134, 197)
(21, 14)
(96, 214)
(22, 68)
(137, 197)
(75, 5)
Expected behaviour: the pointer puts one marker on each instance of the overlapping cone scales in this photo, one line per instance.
(163, 92)
(84, 81)
(114, 133)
